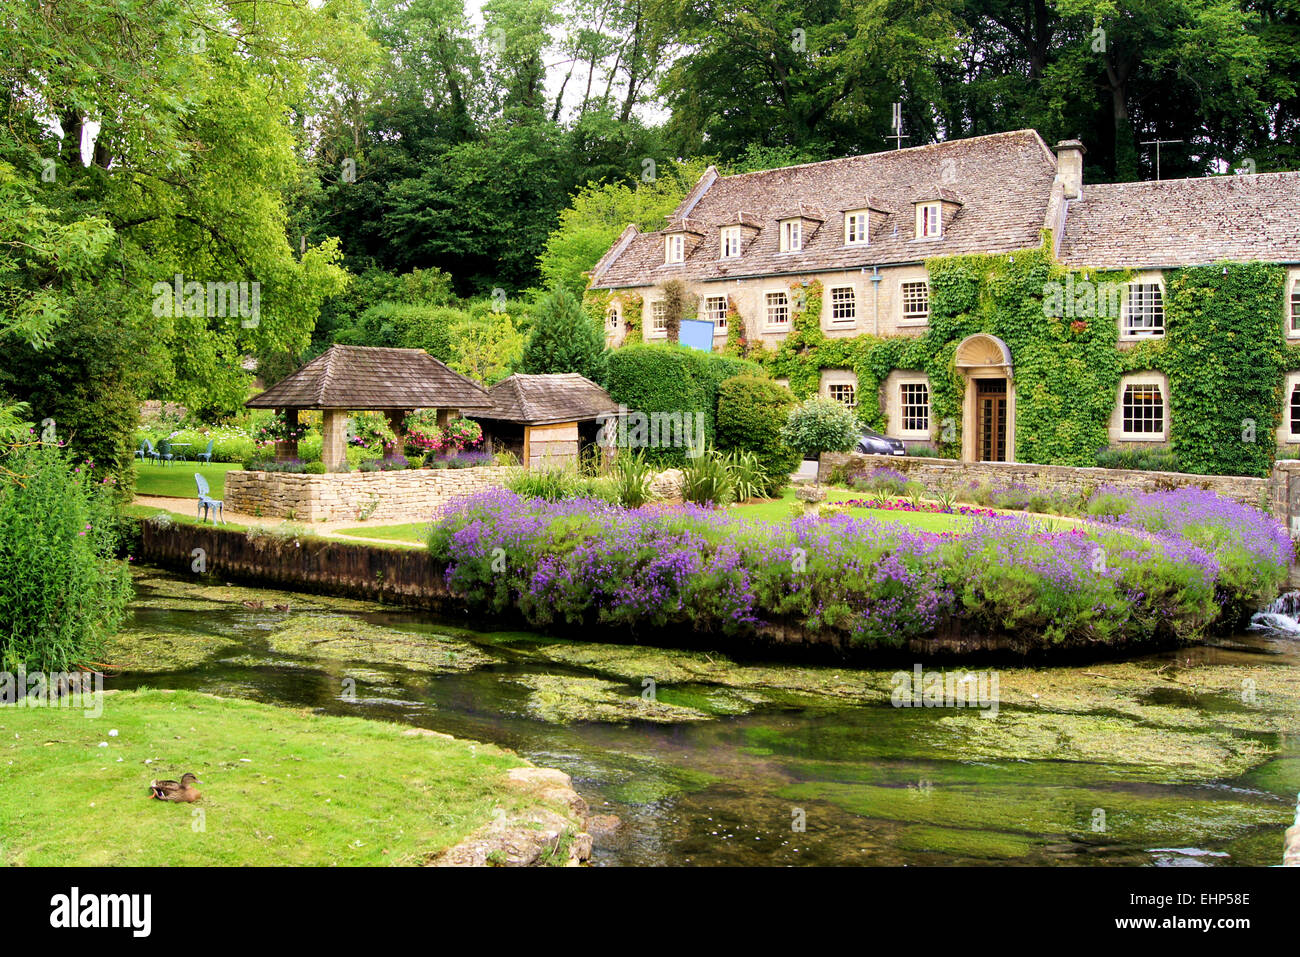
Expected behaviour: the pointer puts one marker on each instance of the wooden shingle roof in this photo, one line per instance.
(370, 377)
(548, 399)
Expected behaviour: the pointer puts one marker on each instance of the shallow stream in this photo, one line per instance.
(1186, 758)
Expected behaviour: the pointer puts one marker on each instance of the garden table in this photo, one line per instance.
(178, 446)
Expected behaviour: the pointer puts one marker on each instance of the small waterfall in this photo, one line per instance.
(1281, 617)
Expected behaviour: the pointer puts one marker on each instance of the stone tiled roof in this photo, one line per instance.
(369, 377)
(1004, 182)
(547, 399)
(1184, 222)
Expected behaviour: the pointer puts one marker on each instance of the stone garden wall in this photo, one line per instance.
(414, 494)
(1066, 479)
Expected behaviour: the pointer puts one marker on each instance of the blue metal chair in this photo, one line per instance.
(206, 454)
(207, 504)
(143, 451)
(149, 451)
(164, 452)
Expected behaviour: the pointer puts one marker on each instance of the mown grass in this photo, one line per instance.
(780, 510)
(177, 480)
(279, 786)
(184, 518)
(414, 532)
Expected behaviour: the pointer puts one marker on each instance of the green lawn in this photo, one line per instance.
(780, 510)
(279, 786)
(415, 532)
(177, 480)
(185, 518)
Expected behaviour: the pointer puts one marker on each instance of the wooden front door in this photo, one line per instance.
(991, 419)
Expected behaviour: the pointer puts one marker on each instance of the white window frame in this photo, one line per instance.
(853, 393)
(1293, 308)
(791, 235)
(929, 220)
(658, 312)
(729, 242)
(913, 319)
(1146, 332)
(768, 324)
(830, 305)
(903, 385)
(1292, 426)
(674, 249)
(613, 316)
(857, 227)
(1150, 382)
(718, 318)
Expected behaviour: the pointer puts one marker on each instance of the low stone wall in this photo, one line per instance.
(1258, 492)
(415, 494)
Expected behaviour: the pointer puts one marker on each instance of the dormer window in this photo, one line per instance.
(791, 235)
(730, 242)
(929, 220)
(856, 227)
(675, 248)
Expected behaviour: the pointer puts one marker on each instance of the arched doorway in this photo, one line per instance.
(988, 432)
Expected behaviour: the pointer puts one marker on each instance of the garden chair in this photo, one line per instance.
(163, 453)
(206, 454)
(208, 504)
(144, 451)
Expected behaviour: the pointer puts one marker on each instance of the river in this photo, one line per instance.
(1185, 758)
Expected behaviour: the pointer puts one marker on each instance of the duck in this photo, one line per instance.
(251, 604)
(183, 790)
(281, 607)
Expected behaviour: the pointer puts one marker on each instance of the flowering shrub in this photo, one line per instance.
(586, 561)
(424, 435)
(278, 429)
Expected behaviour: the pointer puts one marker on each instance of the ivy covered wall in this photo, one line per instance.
(1223, 353)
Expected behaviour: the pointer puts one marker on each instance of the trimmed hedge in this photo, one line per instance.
(673, 379)
(751, 413)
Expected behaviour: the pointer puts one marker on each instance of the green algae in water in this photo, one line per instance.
(340, 638)
(1129, 816)
(563, 699)
(965, 842)
(140, 651)
(655, 782)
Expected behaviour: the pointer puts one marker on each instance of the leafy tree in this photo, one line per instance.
(564, 339)
(820, 425)
(485, 347)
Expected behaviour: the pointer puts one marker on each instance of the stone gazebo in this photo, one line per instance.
(346, 379)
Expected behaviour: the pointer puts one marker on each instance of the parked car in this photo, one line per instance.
(873, 443)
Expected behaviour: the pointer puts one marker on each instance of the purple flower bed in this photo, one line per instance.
(586, 561)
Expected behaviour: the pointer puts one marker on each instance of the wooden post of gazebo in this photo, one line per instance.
(369, 378)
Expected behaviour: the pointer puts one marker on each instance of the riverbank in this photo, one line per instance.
(279, 787)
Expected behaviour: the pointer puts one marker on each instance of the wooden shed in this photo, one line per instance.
(545, 420)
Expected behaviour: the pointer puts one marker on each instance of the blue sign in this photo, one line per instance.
(697, 333)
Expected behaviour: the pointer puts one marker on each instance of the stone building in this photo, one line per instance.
(865, 231)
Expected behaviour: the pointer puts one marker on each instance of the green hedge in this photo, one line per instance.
(750, 415)
(673, 379)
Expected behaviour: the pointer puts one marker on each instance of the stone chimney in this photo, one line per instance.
(1069, 167)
